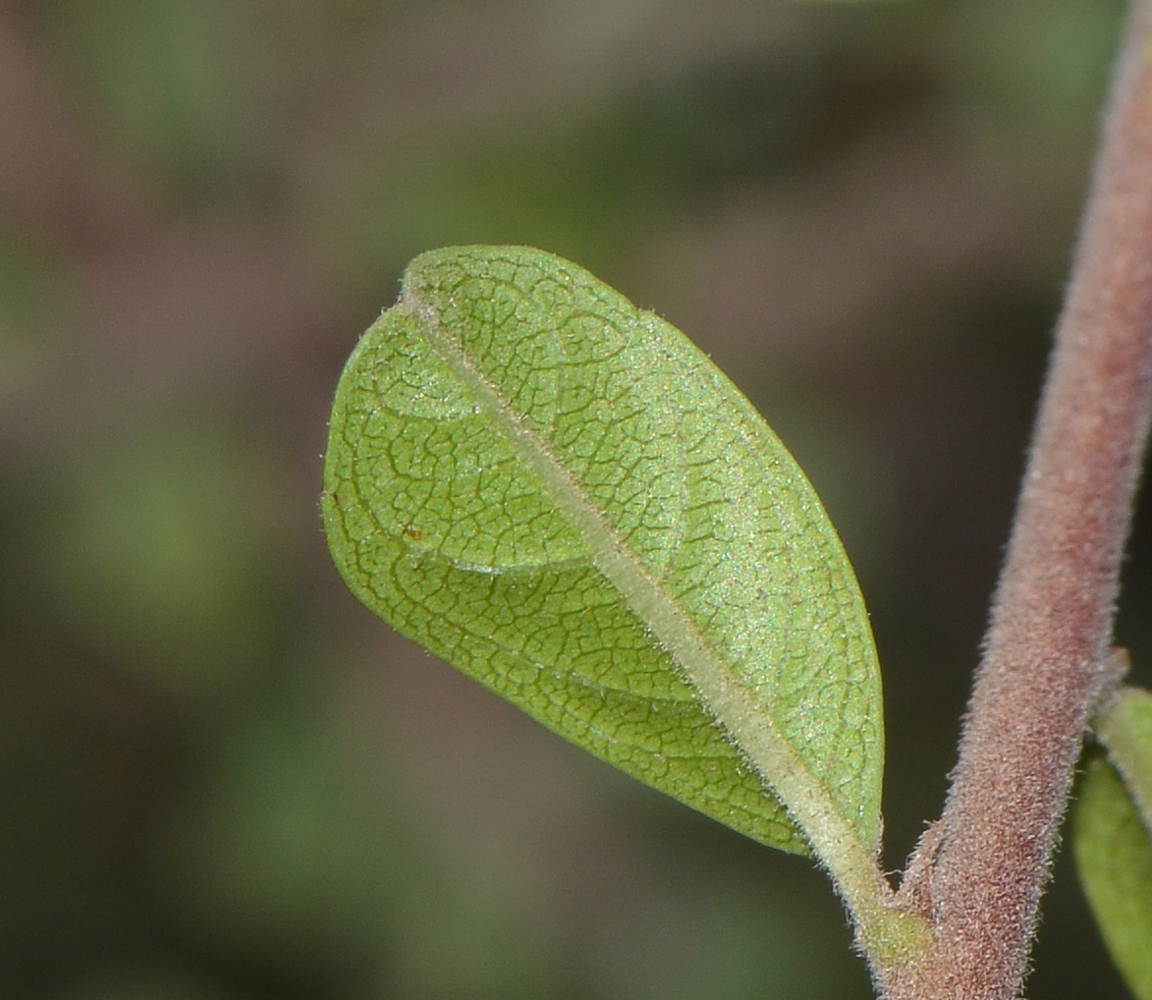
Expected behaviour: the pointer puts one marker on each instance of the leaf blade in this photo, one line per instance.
(1113, 856)
(569, 502)
(1125, 729)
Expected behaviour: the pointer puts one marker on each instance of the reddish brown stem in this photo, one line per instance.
(1052, 616)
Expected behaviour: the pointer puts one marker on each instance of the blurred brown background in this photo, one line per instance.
(222, 779)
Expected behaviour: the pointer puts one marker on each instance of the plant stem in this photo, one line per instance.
(980, 874)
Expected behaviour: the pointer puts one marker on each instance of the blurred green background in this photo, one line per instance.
(220, 778)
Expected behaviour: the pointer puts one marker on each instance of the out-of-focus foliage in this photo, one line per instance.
(221, 778)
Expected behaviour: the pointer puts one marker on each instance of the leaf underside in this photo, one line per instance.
(1112, 835)
(1125, 729)
(1114, 861)
(559, 494)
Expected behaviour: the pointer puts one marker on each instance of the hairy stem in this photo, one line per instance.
(980, 873)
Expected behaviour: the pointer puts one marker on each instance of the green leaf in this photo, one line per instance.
(560, 495)
(1114, 859)
(1125, 729)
